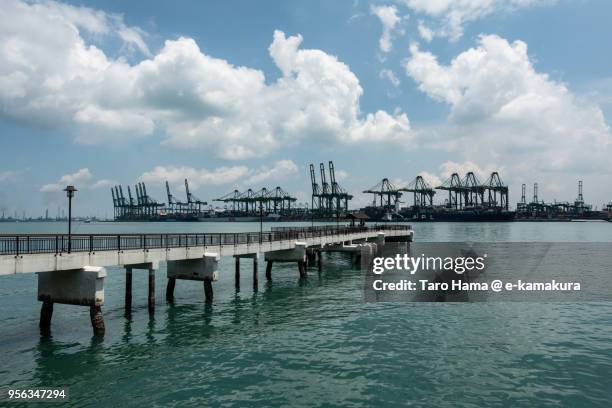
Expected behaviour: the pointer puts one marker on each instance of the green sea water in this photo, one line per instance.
(311, 342)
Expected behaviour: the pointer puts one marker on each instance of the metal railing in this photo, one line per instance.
(19, 244)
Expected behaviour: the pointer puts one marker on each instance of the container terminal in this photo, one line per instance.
(464, 198)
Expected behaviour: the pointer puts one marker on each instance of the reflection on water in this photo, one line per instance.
(302, 342)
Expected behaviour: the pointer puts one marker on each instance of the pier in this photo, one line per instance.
(71, 268)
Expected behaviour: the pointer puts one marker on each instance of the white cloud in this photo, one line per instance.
(432, 179)
(103, 183)
(280, 170)
(449, 167)
(51, 75)
(81, 179)
(390, 76)
(389, 19)
(451, 16)
(242, 175)
(77, 179)
(425, 32)
(132, 36)
(503, 111)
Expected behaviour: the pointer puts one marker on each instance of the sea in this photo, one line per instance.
(310, 342)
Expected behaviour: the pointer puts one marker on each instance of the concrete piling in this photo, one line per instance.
(302, 268)
(128, 288)
(204, 269)
(170, 289)
(151, 297)
(208, 291)
(97, 321)
(296, 254)
(237, 273)
(319, 261)
(46, 312)
(255, 273)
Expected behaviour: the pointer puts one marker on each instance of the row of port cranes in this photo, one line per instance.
(144, 207)
(537, 208)
(470, 192)
(276, 201)
(128, 208)
(192, 207)
(329, 199)
(463, 193)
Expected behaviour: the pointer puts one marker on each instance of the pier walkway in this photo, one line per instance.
(71, 270)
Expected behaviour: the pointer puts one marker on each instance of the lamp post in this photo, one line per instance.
(70, 193)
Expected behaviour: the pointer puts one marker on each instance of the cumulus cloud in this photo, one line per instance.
(390, 20)
(451, 16)
(78, 178)
(431, 179)
(425, 32)
(81, 179)
(502, 110)
(103, 183)
(52, 75)
(280, 170)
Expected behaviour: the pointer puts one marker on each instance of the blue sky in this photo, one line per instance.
(95, 93)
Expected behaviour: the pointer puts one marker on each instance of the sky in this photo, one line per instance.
(243, 94)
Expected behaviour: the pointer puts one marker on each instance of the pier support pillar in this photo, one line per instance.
(296, 254)
(170, 289)
(319, 261)
(237, 274)
(151, 296)
(302, 268)
(208, 291)
(97, 321)
(151, 267)
(311, 258)
(83, 287)
(203, 269)
(254, 257)
(128, 288)
(255, 273)
(46, 313)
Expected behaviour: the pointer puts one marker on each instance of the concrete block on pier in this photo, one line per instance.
(296, 254)
(201, 269)
(83, 286)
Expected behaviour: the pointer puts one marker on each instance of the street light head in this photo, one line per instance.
(70, 191)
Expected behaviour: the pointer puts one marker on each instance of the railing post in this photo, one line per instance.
(118, 243)
(28, 245)
(56, 244)
(91, 243)
(17, 245)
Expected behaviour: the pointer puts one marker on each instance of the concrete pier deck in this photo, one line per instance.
(71, 269)
(45, 253)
